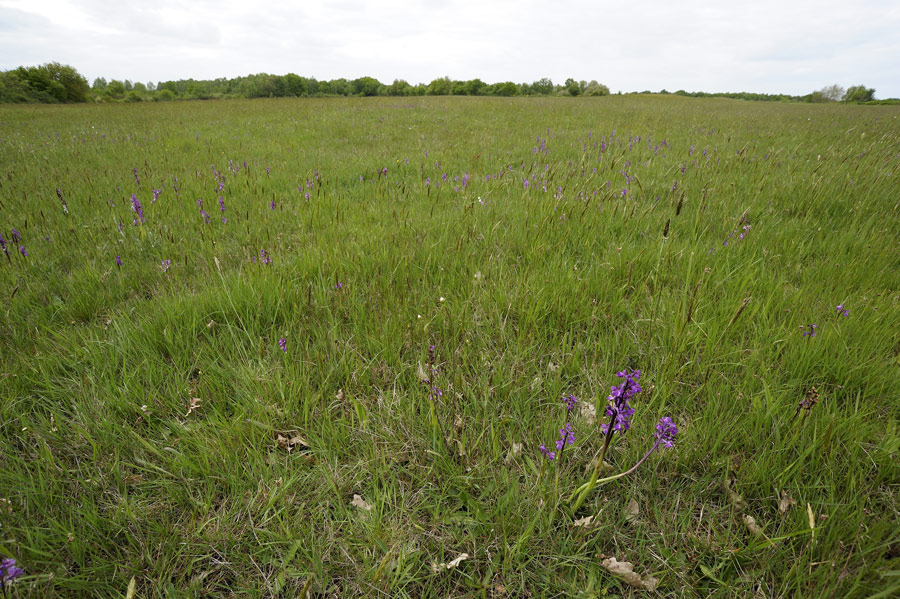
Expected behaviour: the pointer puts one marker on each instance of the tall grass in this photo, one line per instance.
(152, 428)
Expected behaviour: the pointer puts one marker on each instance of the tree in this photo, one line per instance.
(572, 87)
(859, 93)
(596, 89)
(439, 87)
(475, 87)
(832, 93)
(542, 86)
(365, 86)
(507, 88)
(115, 89)
(399, 87)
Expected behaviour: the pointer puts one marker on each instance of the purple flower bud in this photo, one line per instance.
(9, 571)
(282, 343)
(550, 455)
(665, 432)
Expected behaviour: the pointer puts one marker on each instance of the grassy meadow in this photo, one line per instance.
(216, 377)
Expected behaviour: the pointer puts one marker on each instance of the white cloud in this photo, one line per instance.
(766, 46)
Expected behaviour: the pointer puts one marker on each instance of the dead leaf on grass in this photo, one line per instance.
(589, 413)
(736, 500)
(193, 405)
(290, 441)
(420, 373)
(632, 510)
(752, 526)
(449, 565)
(625, 571)
(515, 451)
(786, 501)
(361, 503)
(584, 522)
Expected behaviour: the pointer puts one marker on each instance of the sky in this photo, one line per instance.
(765, 46)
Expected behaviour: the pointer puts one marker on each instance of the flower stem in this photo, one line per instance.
(584, 490)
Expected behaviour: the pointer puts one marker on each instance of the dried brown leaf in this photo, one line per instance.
(290, 441)
(752, 526)
(193, 405)
(736, 500)
(625, 571)
(421, 374)
(584, 522)
(589, 413)
(457, 561)
(786, 501)
(435, 567)
(632, 510)
(361, 503)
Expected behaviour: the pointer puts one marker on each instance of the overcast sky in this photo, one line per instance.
(770, 46)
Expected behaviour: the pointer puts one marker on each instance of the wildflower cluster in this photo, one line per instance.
(282, 343)
(619, 409)
(743, 229)
(809, 330)
(842, 311)
(138, 210)
(9, 571)
(618, 414)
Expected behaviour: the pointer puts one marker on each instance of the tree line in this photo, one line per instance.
(57, 83)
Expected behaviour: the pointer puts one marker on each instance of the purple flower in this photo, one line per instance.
(843, 312)
(268, 168)
(282, 343)
(665, 432)
(550, 455)
(619, 410)
(272, 205)
(306, 196)
(264, 256)
(221, 203)
(156, 193)
(138, 209)
(525, 183)
(166, 264)
(16, 236)
(22, 250)
(205, 215)
(118, 261)
(571, 401)
(341, 286)
(427, 181)
(9, 571)
(810, 330)
(136, 179)
(566, 437)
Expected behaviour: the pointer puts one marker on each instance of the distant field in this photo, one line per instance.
(216, 322)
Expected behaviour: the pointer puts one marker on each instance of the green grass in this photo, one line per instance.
(526, 295)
